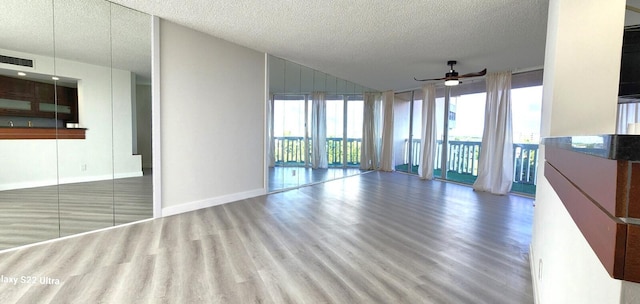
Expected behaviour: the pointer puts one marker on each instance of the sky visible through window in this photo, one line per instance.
(525, 107)
(525, 110)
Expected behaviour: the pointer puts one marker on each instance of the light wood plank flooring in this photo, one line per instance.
(286, 177)
(37, 214)
(373, 238)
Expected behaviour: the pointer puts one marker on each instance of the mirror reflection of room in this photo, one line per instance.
(75, 118)
(308, 106)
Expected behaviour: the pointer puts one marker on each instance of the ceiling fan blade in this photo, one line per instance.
(429, 79)
(481, 73)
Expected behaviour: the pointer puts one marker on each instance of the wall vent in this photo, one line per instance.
(16, 61)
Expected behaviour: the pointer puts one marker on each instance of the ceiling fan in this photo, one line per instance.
(452, 78)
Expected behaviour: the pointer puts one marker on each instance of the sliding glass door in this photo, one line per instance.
(335, 131)
(353, 122)
(464, 136)
(292, 142)
(289, 140)
(407, 132)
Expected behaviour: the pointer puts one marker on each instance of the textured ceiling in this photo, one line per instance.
(380, 44)
(83, 32)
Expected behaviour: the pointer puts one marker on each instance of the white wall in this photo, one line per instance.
(106, 151)
(582, 64)
(213, 120)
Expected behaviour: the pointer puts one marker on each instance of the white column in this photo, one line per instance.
(581, 74)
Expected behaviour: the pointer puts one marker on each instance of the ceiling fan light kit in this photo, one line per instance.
(451, 82)
(452, 78)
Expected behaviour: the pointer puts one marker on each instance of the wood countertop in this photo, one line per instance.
(41, 133)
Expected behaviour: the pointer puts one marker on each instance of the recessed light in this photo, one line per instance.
(22, 74)
(55, 78)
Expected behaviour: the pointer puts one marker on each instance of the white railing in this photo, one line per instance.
(462, 157)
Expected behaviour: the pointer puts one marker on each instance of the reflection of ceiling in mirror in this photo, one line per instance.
(82, 32)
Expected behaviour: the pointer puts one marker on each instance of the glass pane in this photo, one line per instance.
(131, 92)
(437, 168)
(289, 140)
(417, 135)
(50, 107)
(10, 104)
(355, 110)
(86, 166)
(401, 120)
(466, 122)
(335, 131)
(526, 113)
(28, 178)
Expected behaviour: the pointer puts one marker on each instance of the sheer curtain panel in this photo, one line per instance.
(386, 161)
(628, 118)
(369, 157)
(319, 131)
(495, 166)
(272, 141)
(429, 132)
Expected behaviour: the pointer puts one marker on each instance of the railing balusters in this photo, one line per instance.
(462, 155)
(292, 150)
(463, 158)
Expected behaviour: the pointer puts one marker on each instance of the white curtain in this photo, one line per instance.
(319, 131)
(429, 132)
(495, 167)
(628, 118)
(370, 152)
(271, 149)
(386, 161)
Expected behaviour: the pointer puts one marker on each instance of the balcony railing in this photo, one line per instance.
(462, 156)
(290, 150)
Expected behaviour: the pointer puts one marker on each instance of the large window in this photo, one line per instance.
(354, 121)
(335, 131)
(466, 123)
(289, 130)
(292, 140)
(462, 140)
(526, 113)
(407, 122)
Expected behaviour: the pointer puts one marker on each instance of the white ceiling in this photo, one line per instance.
(83, 30)
(380, 44)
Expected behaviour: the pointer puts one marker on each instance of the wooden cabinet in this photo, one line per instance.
(27, 98)
(13, 88)
(600, 188)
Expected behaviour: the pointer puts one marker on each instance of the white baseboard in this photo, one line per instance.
(128, 174)
(84, 179)
(70, 180)
(534, 277)
(24, 185)
(210, 202)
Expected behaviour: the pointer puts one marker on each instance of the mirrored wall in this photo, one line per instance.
(291, 88)
(75, 118)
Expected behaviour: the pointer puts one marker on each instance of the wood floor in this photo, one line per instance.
(373, 238)
(37, 214)
(286, 177)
